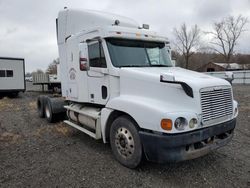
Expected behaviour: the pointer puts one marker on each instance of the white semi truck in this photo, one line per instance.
(119, 85)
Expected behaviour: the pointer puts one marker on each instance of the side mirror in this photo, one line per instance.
(167, 77)
(83, 56)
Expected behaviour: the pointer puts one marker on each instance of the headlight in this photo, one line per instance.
(180, 123)
(192, 123)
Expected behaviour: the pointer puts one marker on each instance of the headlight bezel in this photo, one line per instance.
(193, 123)
(180, 123)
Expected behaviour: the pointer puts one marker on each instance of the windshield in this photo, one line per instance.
(135, 53)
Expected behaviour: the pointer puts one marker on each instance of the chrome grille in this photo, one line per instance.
(216, 104)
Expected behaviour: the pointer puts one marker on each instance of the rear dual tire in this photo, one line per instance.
(40, 106)
(50, 108)
(49, 115)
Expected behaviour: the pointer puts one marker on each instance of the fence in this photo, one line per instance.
(240, 77)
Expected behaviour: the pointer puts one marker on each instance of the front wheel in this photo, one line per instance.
(125, 142)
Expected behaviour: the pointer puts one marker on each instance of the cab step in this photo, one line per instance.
(84, 118)
(93, 135)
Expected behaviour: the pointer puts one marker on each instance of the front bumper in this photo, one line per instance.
(185, 146)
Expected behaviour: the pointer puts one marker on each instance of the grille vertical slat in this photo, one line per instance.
(216, 103)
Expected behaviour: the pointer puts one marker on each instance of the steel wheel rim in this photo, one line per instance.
(124, 142)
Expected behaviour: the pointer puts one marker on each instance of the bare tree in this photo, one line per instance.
(52, 68)
(225, 35)
(39, 71)
(187, 41)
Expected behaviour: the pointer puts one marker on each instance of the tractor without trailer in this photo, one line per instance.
(119, 85)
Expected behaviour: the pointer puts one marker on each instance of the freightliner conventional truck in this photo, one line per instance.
(119, 85)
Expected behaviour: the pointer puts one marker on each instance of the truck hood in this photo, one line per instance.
(148, 100)
(194, 79)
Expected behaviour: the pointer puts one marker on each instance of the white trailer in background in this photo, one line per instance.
(12, 75)
(119, 85)
(52, 81)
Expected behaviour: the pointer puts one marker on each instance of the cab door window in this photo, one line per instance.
(96, 55)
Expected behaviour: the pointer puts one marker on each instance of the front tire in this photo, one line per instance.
(125, 142)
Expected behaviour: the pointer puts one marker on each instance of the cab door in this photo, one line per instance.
(98, 78)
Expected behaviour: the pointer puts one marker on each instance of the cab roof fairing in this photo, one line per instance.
(121, 32)
(72, 21)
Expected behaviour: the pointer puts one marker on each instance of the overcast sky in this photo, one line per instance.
(27, 27)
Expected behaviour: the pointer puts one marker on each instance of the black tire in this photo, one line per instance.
(125, 142)
(40, 106)
(49, 115)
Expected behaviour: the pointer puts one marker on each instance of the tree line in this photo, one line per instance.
(224, 37)
(52, 68)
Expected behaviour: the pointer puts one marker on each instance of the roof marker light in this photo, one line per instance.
(117, 22)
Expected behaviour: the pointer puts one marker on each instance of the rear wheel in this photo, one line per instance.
(50, 116)
(125, 142)
(40, 106)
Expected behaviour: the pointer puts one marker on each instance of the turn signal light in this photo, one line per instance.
(166, 124)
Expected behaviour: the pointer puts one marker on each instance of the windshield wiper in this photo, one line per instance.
(159, 65)
(134, 66)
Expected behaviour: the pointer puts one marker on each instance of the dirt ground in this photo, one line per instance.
(34, 153)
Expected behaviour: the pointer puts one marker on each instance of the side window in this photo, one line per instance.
(9, 73)
(2, 73)
(96, 56)
(102, 57)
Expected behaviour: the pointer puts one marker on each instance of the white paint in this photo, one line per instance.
(17, 81)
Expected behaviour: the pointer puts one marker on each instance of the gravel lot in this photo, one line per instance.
(34, 153)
